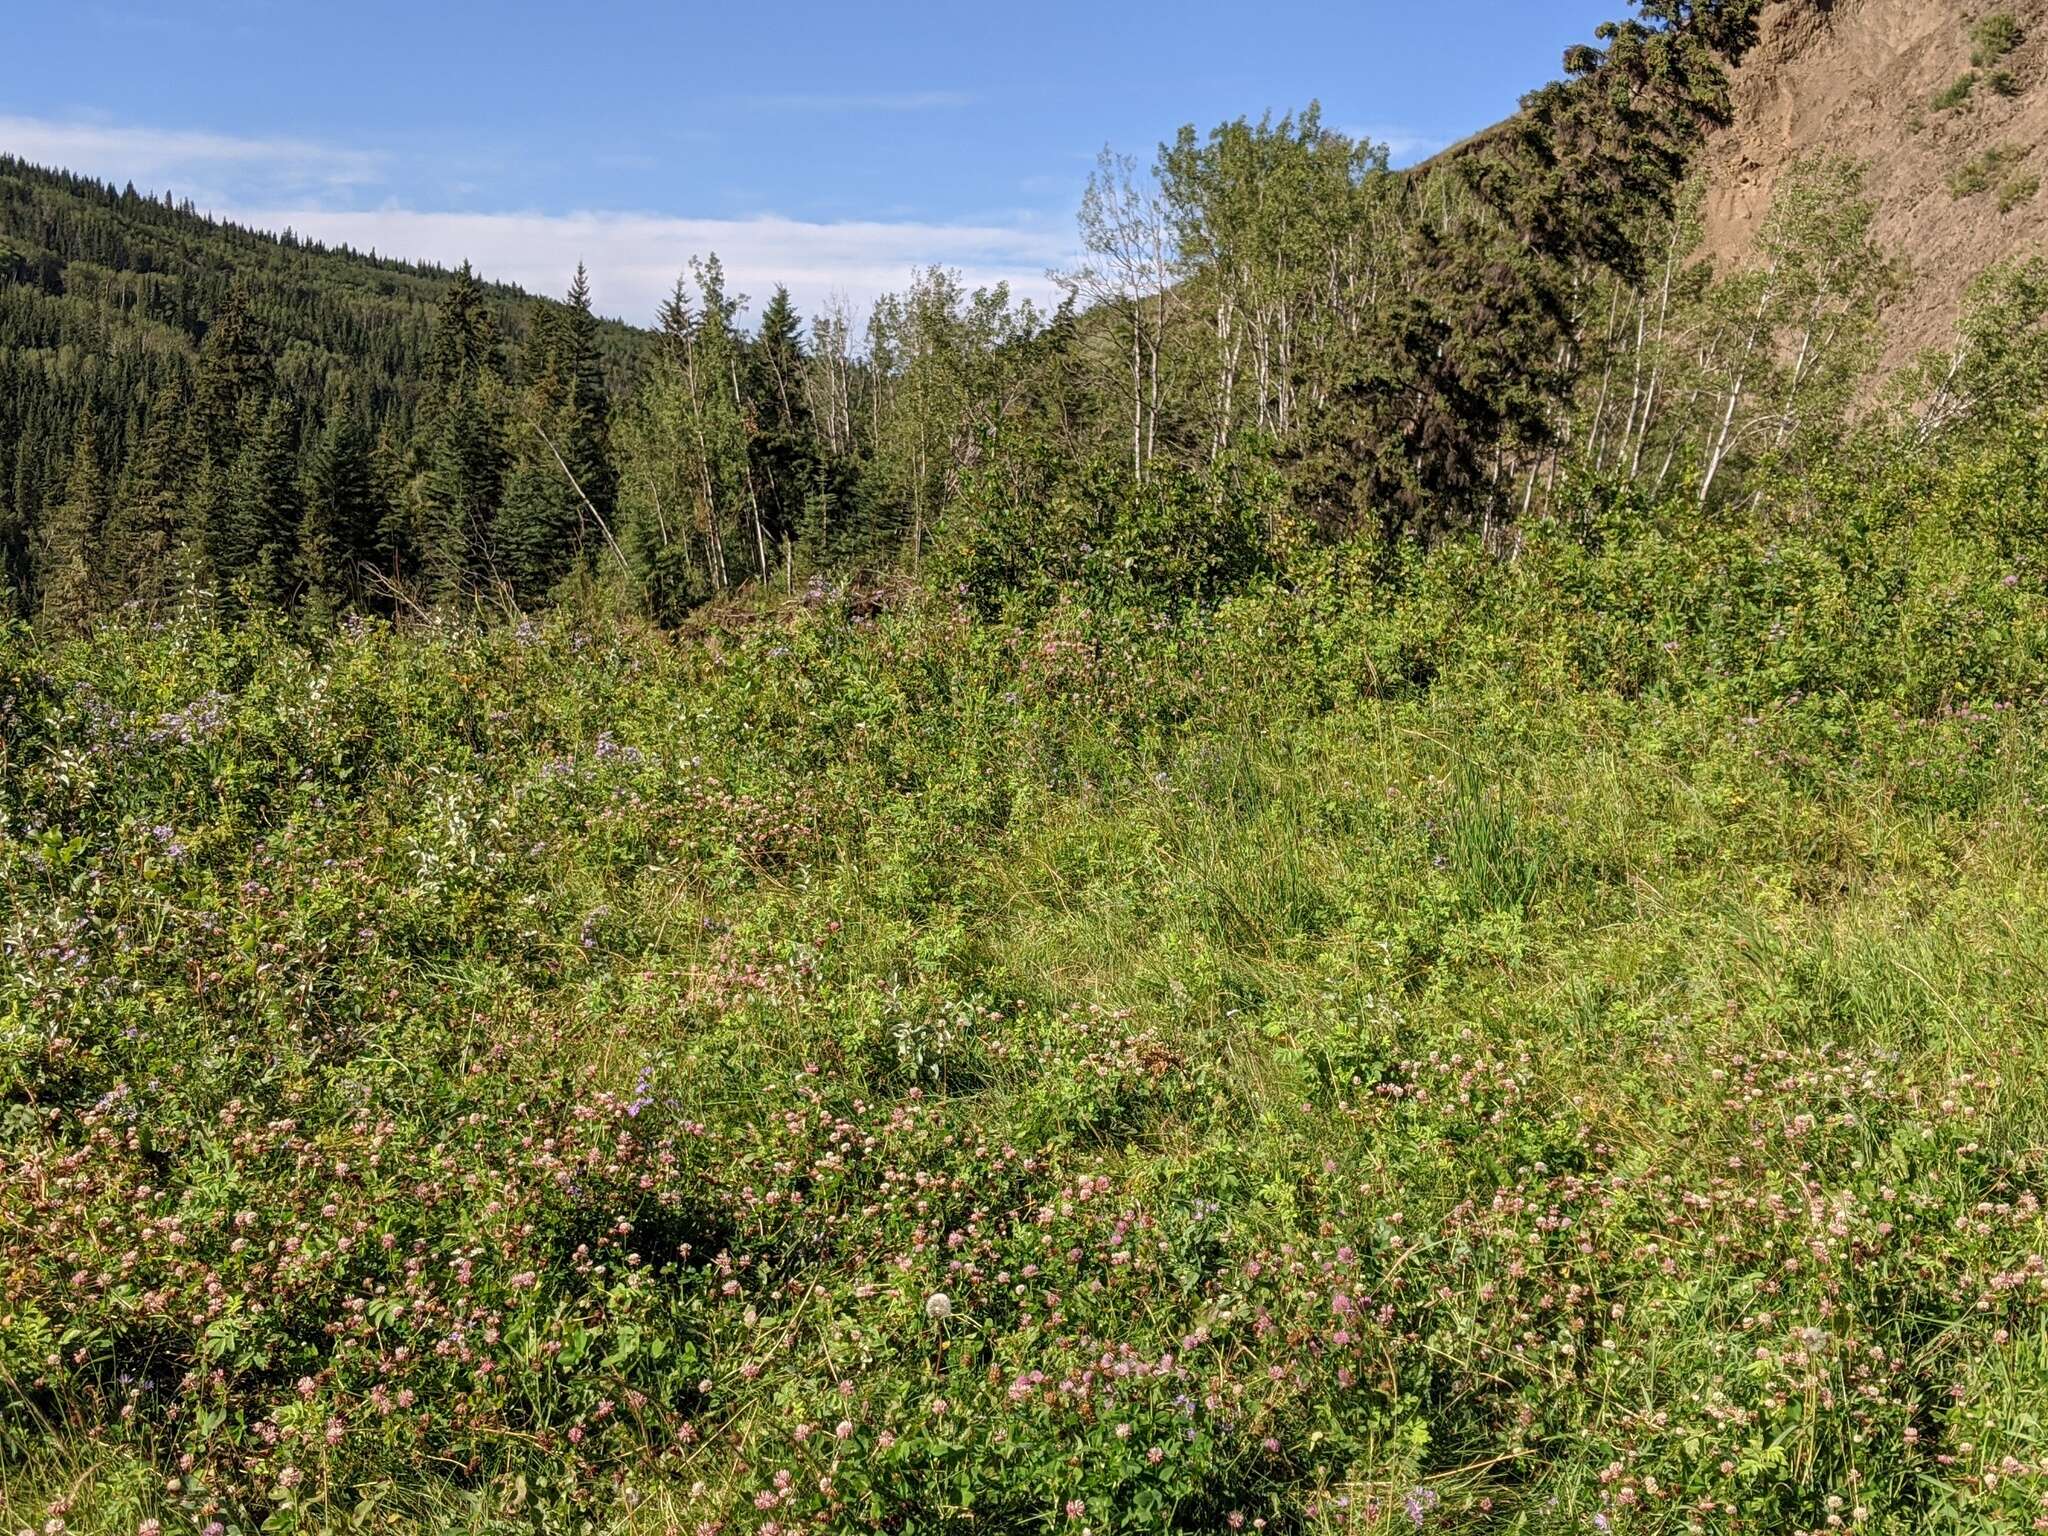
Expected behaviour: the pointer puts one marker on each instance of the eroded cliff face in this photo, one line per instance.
(1862, 78)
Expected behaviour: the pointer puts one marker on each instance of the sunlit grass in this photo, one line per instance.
(1479, 1068)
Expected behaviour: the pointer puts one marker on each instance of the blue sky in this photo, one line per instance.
(831, 145)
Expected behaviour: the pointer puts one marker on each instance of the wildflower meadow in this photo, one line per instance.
(1437, 1041)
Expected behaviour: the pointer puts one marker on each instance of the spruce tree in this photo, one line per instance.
(669, 530)
(587, 419)
(543, 345)
(459, 490)
(776, 366)
(461, 462)
(71, 593)
(264, 510)
(233, 369)
(561, 457)
(13, 555)
(465, 337)
(398, 541)
(345, 512)
(1595, 159)
(230, 390)
(147, 547)
(788, 467)
(207, 511)
(535, 532)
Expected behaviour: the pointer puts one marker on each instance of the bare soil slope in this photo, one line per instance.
(1862, 78)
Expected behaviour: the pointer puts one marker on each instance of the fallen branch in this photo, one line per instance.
(570, 475)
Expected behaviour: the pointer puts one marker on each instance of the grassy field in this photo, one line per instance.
(1550, 1046)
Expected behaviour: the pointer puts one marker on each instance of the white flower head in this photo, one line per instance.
(938, 1306)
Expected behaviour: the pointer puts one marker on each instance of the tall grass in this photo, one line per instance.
(1441, 1053)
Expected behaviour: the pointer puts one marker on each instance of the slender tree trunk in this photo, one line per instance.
(1635, 387)
(1941, 403)
(1137, 393)
(1158, 332)
(1719, 455)
(739, 408)
(1228, 347)
(1635, 464)
(1808, 357)
(1606, 376)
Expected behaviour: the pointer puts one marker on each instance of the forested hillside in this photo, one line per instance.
(145, 350)
(1272, 340)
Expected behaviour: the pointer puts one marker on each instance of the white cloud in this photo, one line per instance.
(634, 257)
(1404, 146)
(879, 101)
(190, 162)
(280, 183)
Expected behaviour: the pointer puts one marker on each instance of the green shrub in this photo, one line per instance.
(2021, 190)
(1956, 93)
(1983, 173)
(1994, 37)
(1031, 527)
(2003, 82)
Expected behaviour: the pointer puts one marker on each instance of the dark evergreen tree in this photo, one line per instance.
(561, 471)
(775, 366)
(398, 540)
(1403, 445)
(1595, 158)
(14, 537)
(1476, 357)
(209, 513)
(264, 512)
(587, 419)
(459, 490)
(233, 370)
(230, 396)
(797, 496)
(345, 513)
(535, 532)
(463, 457)
(465, 335)
(69, 579)
(149, 549)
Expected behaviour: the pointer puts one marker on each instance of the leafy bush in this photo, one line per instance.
(1982, 173)
(1030, 527)
(1341, 1042)
(1994, 37)
(1956, 93)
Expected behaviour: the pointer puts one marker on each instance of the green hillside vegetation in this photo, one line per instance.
(1389, 875)
(1517, 1041)
(162, 338)
(1407, 353)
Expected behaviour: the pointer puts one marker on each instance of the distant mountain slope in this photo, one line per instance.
(105, 295)
(1866, 78)
(62, 233)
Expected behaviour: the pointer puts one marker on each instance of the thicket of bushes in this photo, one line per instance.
(1457, 1040)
